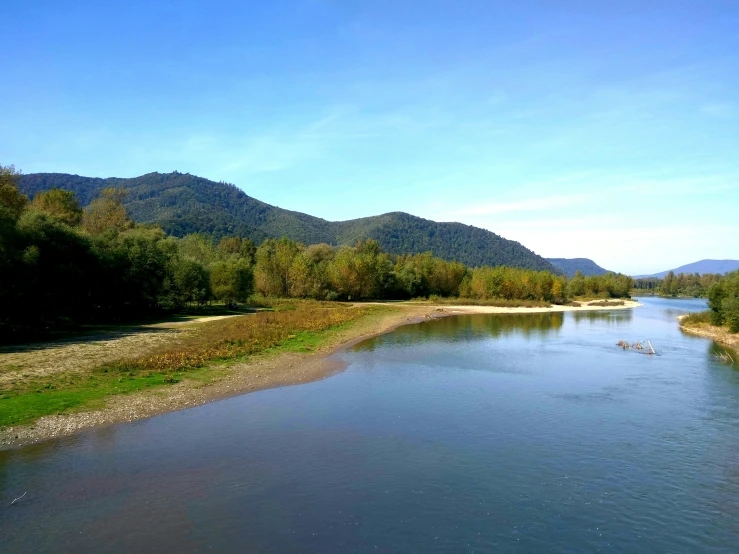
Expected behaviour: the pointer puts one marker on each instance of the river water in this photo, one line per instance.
(525, 433)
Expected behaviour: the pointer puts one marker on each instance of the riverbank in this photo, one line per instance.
(273, 368)
(718, 334)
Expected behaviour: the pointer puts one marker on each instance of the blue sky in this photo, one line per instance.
(607, 130)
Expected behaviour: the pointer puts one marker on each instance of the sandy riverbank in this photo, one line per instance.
(719, 334)
(259, 373)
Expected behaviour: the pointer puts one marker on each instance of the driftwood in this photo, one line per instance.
(639, 347)
(19, 498)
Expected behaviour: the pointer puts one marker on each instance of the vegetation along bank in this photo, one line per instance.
(721, 321)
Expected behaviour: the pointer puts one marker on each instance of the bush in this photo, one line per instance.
(696, 318)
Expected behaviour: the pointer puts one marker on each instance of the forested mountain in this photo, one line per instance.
(701, 267)
(182, 204)
(569, 266)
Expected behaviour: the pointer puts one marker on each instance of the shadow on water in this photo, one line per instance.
(469, 327)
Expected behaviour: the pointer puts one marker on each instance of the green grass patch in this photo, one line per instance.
(27, 406)
(696, 318)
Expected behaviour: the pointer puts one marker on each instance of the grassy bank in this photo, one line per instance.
(202, 355)
(696, 318)
(700, 323)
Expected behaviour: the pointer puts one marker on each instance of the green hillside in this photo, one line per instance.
(182, 203)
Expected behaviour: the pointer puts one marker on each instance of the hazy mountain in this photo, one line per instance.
(569, 266)
(182, 203)
(701, 267)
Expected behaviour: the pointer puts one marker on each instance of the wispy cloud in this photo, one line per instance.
(723, 110)
(523, 205)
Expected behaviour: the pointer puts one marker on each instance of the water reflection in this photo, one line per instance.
(470, 328)
(615, 317)
(674, 307)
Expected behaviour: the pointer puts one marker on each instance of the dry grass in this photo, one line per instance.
(606, 303)
(242, 336)
(83, 353)
(696, 318)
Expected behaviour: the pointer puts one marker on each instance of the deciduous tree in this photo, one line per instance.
(61, 204)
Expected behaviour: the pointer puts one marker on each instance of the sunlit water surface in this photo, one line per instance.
(531, 433)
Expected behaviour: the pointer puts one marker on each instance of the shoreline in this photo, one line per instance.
(717, 334)
(260, 372)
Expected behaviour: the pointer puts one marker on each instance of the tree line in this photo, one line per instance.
(62, 265)
(682, 284)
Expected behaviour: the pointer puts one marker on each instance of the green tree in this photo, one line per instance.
(238, 246)
(360, 272)
(10, 197)
(186, 282)
(145, 264)
(577, 285)
(669, 287)
(200, 248)
(274, 262)
(723, 300)
(232, 280)
(730, 309)
(55, 274)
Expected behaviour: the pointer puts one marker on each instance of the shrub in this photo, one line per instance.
(696, 318)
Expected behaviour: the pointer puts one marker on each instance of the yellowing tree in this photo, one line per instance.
(107, 212)
(61, 204)
(10, 196)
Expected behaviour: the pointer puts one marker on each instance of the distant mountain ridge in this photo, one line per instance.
(701, 267)
(182, 203)
(570, 266)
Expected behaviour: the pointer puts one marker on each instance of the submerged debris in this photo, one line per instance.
(724, 357)
(638, 346)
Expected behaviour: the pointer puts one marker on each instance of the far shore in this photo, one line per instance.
(258, 373)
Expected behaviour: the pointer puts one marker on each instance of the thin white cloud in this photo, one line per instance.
(724, 110)
(523, 205)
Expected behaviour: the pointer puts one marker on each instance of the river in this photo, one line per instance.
(478, 433)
